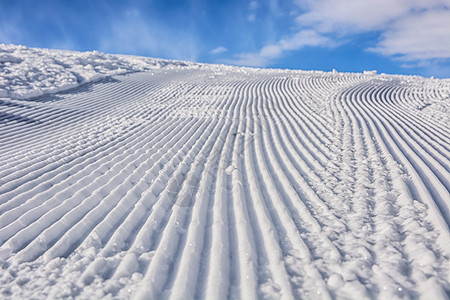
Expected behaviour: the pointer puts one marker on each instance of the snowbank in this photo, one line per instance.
(30, 72)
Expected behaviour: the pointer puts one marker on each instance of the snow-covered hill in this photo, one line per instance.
(30, 72)
(176, 180)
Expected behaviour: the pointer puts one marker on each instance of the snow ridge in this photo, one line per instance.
(220, 182)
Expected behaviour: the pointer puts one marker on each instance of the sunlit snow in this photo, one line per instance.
(131, 177)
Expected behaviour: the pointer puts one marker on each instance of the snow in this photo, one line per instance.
(140, 178)
(31, 72)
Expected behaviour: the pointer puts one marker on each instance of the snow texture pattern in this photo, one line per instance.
(188, 181)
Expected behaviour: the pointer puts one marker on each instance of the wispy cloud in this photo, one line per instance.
(414, 29)
(271, 52)
(253, 6)
(418, 37)
(133, 33)
(219, 50)
(251, 17)
(355, 15)
(410, 30)
(9, 31)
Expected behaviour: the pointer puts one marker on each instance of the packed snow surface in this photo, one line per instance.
(129, 177)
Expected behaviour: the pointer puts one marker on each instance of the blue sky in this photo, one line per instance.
(391, 36)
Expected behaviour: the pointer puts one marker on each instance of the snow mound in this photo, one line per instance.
(31, 72)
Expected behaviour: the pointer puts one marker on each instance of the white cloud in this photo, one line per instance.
(302, 39)
(270, 52)
(360, 15)
(413, 29)
(418, 37)
(219, 50)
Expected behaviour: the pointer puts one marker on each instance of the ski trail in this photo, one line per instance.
(219, 182)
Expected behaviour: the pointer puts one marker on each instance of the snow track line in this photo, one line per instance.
(417, 125)
(377, 200)
(403, 207)
(426, 183)
(219, 183)
(438, 163)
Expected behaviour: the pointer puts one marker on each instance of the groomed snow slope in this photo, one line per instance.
(197, 181)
